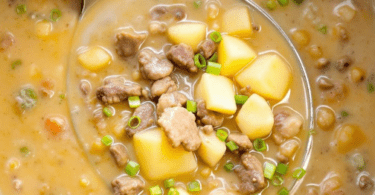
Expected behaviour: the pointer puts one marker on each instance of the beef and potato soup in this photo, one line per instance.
(187, 97)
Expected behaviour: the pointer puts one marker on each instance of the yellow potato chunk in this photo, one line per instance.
(43, 28)
(158, 159)
(268, 76)
(255, 119)
(94, 59)
(234, 54)
(189, 33)
(237, 21)
(218, 93)
(212, 148)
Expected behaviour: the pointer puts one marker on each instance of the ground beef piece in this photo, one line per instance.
(208, 129)
(153, 66)
(162, 12)
(343, 63)
(250, 174)
(242, 141)
(120, 154)
(165, 85)
(146, 113)
(287, 125)
(157, 28)
(180, 127)
(6, 41)
(182, 55)
(125, 185)
(209, 117)
(365, 182)
(117, 89)
(168, 100)
(127, 44)
(207, 48)
(287, 150)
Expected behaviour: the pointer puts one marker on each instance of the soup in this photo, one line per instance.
(185, 97)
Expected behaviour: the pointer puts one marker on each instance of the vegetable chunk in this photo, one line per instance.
(94, 59)
(268, 76)
(189, 33)
(237, 21)
(218, 93)
(255, 118)
(212, 148)
(234, 54)
(158, 159)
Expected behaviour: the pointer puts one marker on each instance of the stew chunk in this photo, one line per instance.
(127, 44)
(182, 55)
(250, 174)
(287, 125)
(169, 100)
(118, 152)
(146, 113)
(207, 48)
(125, 185)
(209, 117)
(165, 85)
(182, 33)
(117, 89)
(242, 141)
(153, 66)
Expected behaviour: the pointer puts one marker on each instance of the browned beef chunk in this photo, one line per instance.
(208, 129)
(127, 44)
(287, 124)
(242, 141)
(125, 185)
(153, 66)
(182, 55)
(180, 127)
(343, 63)
(209, 117)
(165, 85)
(6, 41)
(120, 154)
(162, 12)
(146, 112)
(207, 48)
(250, 174)
(117, 89)
(168, 100)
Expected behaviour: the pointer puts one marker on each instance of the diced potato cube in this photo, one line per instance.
(212, 148)
(234, 54)
(268, 76)
(189, 33)
(94, 59)
(346, 13)
(158, 159)
(237, 21)
(43, 28)
(255, 119)
(218, 93)
(349, 137)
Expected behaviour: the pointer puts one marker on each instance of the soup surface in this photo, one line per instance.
(188, 97)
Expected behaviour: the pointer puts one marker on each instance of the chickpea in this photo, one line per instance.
(214, 183)
(84, 182)
(301, 37)
(136, 75)
(349, 137)
(14, 164)
(157, 28)
(357, 75)
(325, 83)
(315, 51)
(205, 172)
(97, 146)
(325, 118)
(212, 11)
(330, 185)
(346, 13)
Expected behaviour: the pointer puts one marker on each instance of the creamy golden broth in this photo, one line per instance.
(72, 160)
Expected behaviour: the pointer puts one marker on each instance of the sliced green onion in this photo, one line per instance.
(191, 106)
(134, 122)
(214, 57)
(277, 181)
(283, 2)
(31, 93)
(213, 68)
(370, 88)
(169, 183)
(358, 161)
(216, 37)
(29, 98)
(55, 15)
(222, 134)
(16, 63)
(312, 132)
(282, 168)
(62, 96)
(134, 101)
(229, 166)
(155, 190)
(260, 145)
(298, 1)
(107, 140)
(344, 114)
(269, 170)
(322, 29)
(241, 99)
(132, 168)
(107, 112)
(194, 186)
(232, 146)
(173, 191)
(271, 4)
(284, 191)
(197, 4)
(299, 173)
(21, 9)
(24, 150)
(200, 61)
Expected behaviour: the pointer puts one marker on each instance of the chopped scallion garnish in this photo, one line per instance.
(229, 166)
(216, 37)
(271, 4)
(260, 145)
(107, 112)
(200, 61)
(214, 57)
(134, 101)
(213, 68)
(269, 170)
(370, 87)
(173, 191)
(232, 146)
(282, 168)
(169, 183)
(299, 173)
(62, 96)
(134, 122)
(197, 4)
(21, 9)
(283, 2)
(277, 181)
(55, 15)
(16, 63)
(222, 134)
(284, 191)
(24, 150)
(191, 106)
(358, 161)
(194, 186)
(241, 99)
(344, 114)
(312, 132)
(322, 28)
(107, 140)
(132, 168)
(155, 190)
